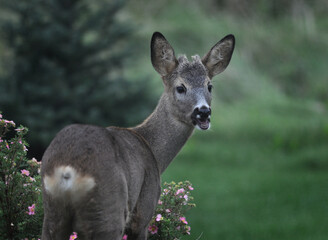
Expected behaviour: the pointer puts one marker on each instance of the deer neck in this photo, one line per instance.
(165, 134)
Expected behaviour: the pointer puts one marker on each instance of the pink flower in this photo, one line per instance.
(125, 237)
(32, 179)
(185, 197)
(34, 162)
(7, 145)
(168, 210)
(25, 172)
(10, 122)
(181, 190)
(159, 217)
(190, 188)
(0, 116)
(183, 220)
(166, 191)
(31, 210)
(188, 228)
(153, 229)
(73, 236)
(160, 202)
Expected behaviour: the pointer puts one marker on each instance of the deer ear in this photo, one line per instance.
(218, 58)
(162, 55)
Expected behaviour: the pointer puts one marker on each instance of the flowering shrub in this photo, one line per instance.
(169, 221)
(20, 185)
(21, 212)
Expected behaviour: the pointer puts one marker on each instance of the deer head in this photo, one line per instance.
(188, 84)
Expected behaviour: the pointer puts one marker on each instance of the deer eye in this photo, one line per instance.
(181, 89)
(210, 87)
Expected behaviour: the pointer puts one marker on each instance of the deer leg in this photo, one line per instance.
(103, 225)
(99, 219)
(106, 235)
(143, 213)
(55, 233)
(57, 225)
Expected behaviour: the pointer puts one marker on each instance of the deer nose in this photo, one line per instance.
(203, 112)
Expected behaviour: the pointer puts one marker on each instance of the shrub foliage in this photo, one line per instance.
(20, 186)
(21, 212)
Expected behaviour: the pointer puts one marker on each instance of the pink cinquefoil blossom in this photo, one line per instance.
(125, 237)
(153, 229)
(185, 197)
(181, 190)
(73, 236)
(159, 217)
(188, 228)
(31, 210)
(9, 122)
(25, 172)
(183, 219)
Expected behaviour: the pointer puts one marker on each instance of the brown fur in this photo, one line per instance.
(102, 182)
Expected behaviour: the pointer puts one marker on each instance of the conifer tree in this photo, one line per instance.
(68, 57)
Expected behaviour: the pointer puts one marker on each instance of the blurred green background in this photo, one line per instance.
(261, 171)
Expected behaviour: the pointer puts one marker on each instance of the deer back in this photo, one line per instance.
(82, 158)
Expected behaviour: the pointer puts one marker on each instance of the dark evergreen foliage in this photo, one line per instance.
(68, 57)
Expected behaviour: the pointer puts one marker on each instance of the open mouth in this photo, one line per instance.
(201, 123)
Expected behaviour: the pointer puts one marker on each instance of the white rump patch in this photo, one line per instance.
(66, 182)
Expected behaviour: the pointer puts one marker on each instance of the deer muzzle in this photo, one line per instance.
(201, 117)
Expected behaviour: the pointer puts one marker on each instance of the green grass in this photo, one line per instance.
(249, 185)
(261, 171)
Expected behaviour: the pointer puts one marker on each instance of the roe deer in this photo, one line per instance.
(104, 182)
